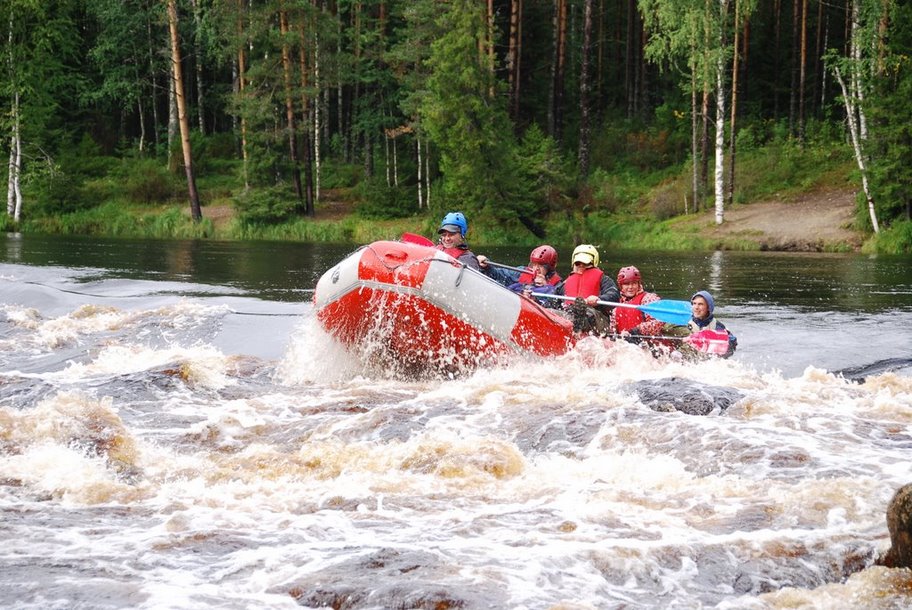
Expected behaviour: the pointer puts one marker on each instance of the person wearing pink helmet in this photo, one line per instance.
(630, 322)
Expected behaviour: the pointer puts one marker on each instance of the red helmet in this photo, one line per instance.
(544, 255)
(628, 274)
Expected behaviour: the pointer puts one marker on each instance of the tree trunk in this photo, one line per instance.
(704, 138)
(489, 44)
(309, 196)
(427, 172)
(694, 142)
(802, 73)
(793, 89)
(720, 143)
(242, 85)
(318, 117)
(734, 109)
(420, 193)
(583, 155)
(513, 56)
(198, 61)
(854, 132)
(777, 55)
(178, 84)
(289, 109)
(556, 94)
(153, 75)
(173, 127)
(720, 122)
(856, 82)
(14, 190)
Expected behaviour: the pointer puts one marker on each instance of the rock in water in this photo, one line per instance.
(899, 522)
(675, 394)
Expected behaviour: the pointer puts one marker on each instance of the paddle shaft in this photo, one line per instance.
(509, 267)
(599, 302)
(673, 312)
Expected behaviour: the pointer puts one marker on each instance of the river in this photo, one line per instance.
(176, 431)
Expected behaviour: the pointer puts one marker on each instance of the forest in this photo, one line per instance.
(531, 114)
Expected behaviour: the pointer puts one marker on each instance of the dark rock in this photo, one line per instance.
(899, 523)
(392, 578)
(674, 394)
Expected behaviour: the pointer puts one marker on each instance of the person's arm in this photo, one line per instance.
(649, 325)
(608, 291)
(469, 259)
(501, 276)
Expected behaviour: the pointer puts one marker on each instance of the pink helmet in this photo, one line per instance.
(544, 255)
(628, 274)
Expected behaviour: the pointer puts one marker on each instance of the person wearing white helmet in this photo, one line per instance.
(452, 232)
(589, 285)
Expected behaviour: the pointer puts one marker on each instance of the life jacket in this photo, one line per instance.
(455, 251)
(585, 284)
(527, 278)
(712, 324)
(626, 318)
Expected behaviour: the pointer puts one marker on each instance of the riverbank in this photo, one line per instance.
(821, 221)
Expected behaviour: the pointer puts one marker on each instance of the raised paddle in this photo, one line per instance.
(673, 312)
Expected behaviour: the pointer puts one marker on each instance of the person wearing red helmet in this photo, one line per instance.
(539, 277)
(633, 322)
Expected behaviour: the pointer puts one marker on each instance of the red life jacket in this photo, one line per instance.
(527, 278)
(455, 252)
(585, 284)
(626, 318)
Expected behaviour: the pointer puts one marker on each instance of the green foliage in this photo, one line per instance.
(265, 206)
(895, 239)
(469, 126)
(336, 174)
(890, 144)
(379, 201)
(147, 181)
(117, 220)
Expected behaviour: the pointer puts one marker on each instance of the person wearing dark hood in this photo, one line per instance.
(702, 307)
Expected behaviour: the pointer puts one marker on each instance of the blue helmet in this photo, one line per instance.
(453, 222)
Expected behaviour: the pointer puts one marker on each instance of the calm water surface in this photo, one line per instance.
(177, 432)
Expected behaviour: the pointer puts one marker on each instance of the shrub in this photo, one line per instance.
(667, 201)
(148, 181)
(270, 205)
(380, 201)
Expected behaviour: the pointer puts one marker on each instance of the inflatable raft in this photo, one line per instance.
(418, 307)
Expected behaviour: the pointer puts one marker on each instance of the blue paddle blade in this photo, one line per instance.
(673, 312)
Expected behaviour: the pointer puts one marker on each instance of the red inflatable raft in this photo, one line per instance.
(420, 307)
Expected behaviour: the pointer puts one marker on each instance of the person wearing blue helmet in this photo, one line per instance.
(452, 233)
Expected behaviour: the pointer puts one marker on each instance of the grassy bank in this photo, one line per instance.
(140, 198)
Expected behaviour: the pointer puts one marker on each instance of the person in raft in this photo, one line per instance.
(452, 239)
(704, 333)
(540, 276)
(633, 324)
(589, 285)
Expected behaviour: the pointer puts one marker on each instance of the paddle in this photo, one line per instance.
(414, 238)
(707, 341)
(673, 312)
(508, 267)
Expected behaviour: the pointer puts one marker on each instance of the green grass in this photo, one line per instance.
(633, 203)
